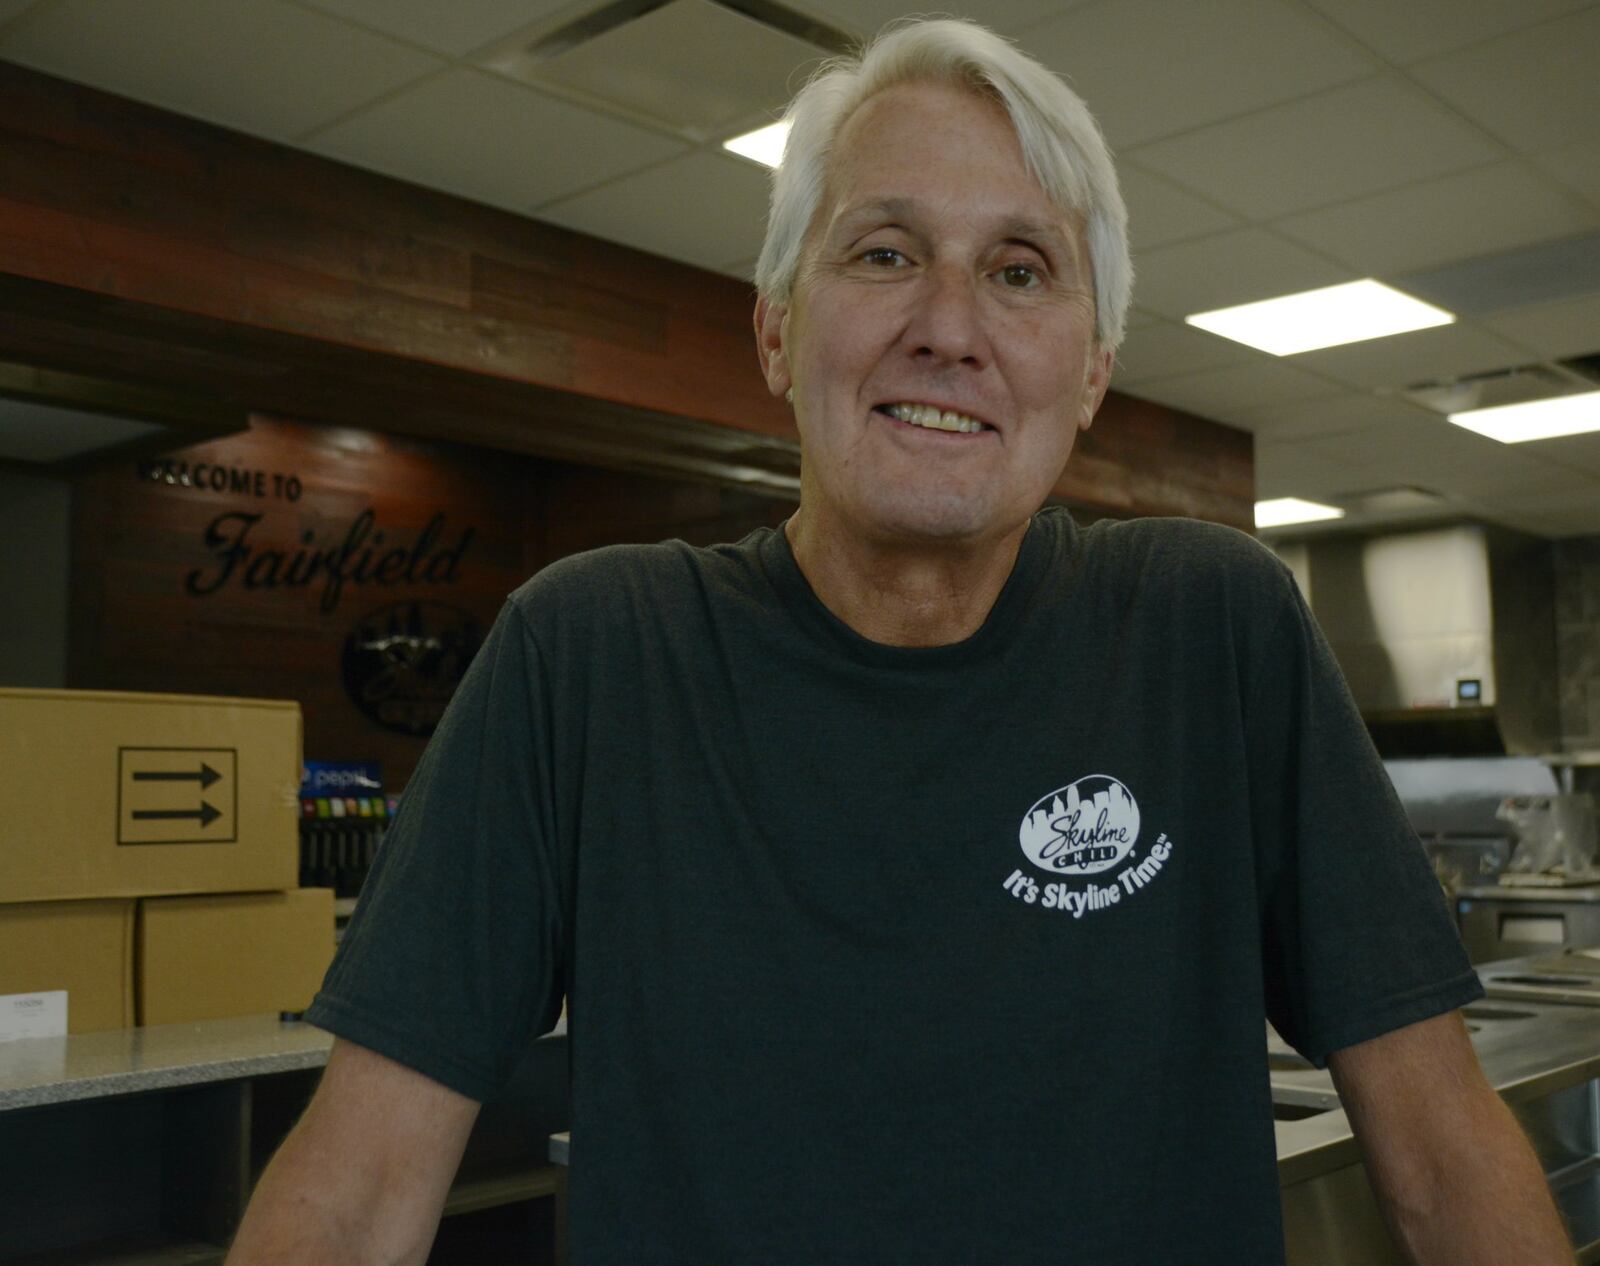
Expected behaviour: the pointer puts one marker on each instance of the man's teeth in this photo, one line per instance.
(939, 420)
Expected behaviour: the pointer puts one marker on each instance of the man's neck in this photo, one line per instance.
(902, 596)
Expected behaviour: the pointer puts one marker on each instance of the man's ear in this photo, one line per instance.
(771, 331)
(1096, 379)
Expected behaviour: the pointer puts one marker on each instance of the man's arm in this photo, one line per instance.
(1456, 1178)
(363, 1177)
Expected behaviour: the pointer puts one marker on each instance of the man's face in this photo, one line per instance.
(936, 275)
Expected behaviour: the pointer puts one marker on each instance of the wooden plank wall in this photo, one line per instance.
(157, 605)
(142, 244)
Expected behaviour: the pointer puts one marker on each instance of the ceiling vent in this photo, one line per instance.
(1516, 385)
(701, 68)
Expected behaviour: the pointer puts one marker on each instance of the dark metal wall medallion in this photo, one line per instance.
(402, 662)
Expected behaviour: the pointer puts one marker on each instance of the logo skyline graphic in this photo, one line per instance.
(1084, 828)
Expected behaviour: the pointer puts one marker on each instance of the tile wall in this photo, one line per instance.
(1577, 575)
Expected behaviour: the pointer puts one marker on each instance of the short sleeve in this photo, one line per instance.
(1357, 938)
(453, 961)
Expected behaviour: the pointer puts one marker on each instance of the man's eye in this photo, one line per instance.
(1020, 276)
(883, 256)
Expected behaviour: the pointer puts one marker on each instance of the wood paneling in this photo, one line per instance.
(141, 554)
(139, 244)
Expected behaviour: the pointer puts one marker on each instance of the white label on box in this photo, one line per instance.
(33, 1014)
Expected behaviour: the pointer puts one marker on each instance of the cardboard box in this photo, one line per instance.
(203, 958)
(82, 948)
(126, 795)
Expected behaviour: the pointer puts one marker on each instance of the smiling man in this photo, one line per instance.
(920, 874)
(939, 346)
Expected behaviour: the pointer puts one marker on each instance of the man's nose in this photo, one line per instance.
(948, 324)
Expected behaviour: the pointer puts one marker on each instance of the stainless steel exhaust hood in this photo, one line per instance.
(1446, 635)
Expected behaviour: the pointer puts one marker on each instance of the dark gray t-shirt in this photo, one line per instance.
(923, 955)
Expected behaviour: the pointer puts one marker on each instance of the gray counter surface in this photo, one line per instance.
(35, 1071)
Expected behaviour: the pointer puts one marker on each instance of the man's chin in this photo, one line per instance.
(938, 522)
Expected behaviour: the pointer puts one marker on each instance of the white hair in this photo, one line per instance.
(1060, 141)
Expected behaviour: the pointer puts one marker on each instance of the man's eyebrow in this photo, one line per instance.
(902, 208)
(895, 208)
(1027, 230)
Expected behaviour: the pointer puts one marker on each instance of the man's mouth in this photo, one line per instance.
(933, 418)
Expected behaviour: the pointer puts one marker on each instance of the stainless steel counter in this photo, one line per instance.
(1543, 1058)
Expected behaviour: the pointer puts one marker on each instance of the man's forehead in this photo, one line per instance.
(851, 193)
(910, 207)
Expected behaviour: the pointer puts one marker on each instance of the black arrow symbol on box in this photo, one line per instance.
(205, 775)
(205, 814)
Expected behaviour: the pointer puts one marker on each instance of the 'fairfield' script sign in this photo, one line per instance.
(361, 558)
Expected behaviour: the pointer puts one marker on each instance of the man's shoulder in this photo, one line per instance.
(615, 578)
(1183, 550)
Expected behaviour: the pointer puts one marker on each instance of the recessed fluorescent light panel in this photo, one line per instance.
(764, 145)
(1351, 313)
(1534, 419)
(1283, 511)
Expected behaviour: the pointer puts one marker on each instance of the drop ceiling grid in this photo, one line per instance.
(1328, 418)
(1489, 83)
(1401, 360)
(1570, 327)
(1413, 29)
(456, 30)
(488, 138)
(1231, 68)
(1300, 470)
(1320, 149)
(265, 67)
(1435, 454)
(1168, 349)
(704, 208)
(1216, 61)
(1496, 207)
(865, 18)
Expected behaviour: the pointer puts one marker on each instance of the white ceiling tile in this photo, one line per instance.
(480, 136)
(1138, 319)
(1404, 30)
(1574, 452)
(868, 17)
(1149, 68)
(1537, 89)
(1320, 150)
(1216, 272)
(1554, 330)
(1336, 415)
(699, 209)
(1220, 394)
(1439, 354)
(1159, 212)
(1575, 166)
(263, 66)
(1167, 350)
(1287, 469)
(1431, 453)
(1479, 212)
(454, 29)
